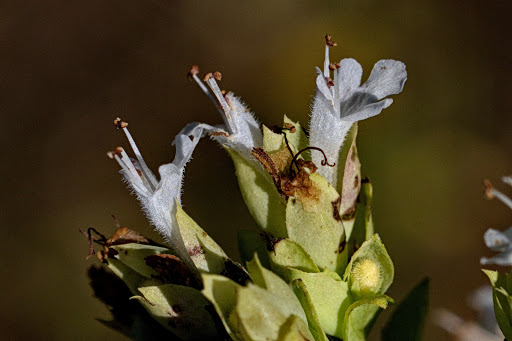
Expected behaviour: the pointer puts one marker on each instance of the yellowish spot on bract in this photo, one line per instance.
(366, 273)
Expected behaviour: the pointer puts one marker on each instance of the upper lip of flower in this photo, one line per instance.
(341, 101)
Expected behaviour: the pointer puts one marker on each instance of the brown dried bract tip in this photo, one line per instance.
(488, 189)
(119, 123)
(290, 127)
(328, 41)
(194, 70)
(207, 77)
(217, 75)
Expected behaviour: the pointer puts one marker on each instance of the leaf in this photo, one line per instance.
(501, 290)
(290, 254)
(329, 297)
(268, 280)
(172, 270)
(361, 315)
(313, 222)
(261, 314)
(294, 329)
(349, 174)
(180, 309)
(370, 271)
(260, 195)
(361, 228)
(221, 292)
(132, 278)
(251, 242)
(206, 254)
(296, 137)
(408, 319)
(272, 142)
(313, 320)
(133, 256)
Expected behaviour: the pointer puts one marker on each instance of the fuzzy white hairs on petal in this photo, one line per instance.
(340, 103)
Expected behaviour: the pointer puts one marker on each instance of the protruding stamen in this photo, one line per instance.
(152, 181)
(326, 62)
(193, 73)
(491, 193)
(507, 180)
(328, 43)
(128, 168)
(210, 79)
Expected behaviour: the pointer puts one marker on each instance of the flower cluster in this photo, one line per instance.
(317, 268)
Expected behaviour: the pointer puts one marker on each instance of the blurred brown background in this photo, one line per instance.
(69, 67)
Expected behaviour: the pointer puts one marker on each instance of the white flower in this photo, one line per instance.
(484, 329)
(498, 241)
(341, 101)
(240, 131)
(158, 198)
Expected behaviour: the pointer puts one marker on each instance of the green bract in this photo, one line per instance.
(259, 311)
(314, 220)
(206, 254)
(180, 309)
(502, 297)
(260, 196)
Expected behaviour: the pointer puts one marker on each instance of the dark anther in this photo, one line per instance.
(328, 41)
(324, 162)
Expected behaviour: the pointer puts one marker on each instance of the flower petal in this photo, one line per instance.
(497, 240)
(349, 75)
(248, 133)
(327, 132)
(387, 78)
(323, 89)
(504, 259)
(358, 109)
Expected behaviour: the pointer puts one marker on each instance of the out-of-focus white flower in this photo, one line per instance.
(340, 101)
(158, 198)
(240, 131)
(498, 241)
(486, 329)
